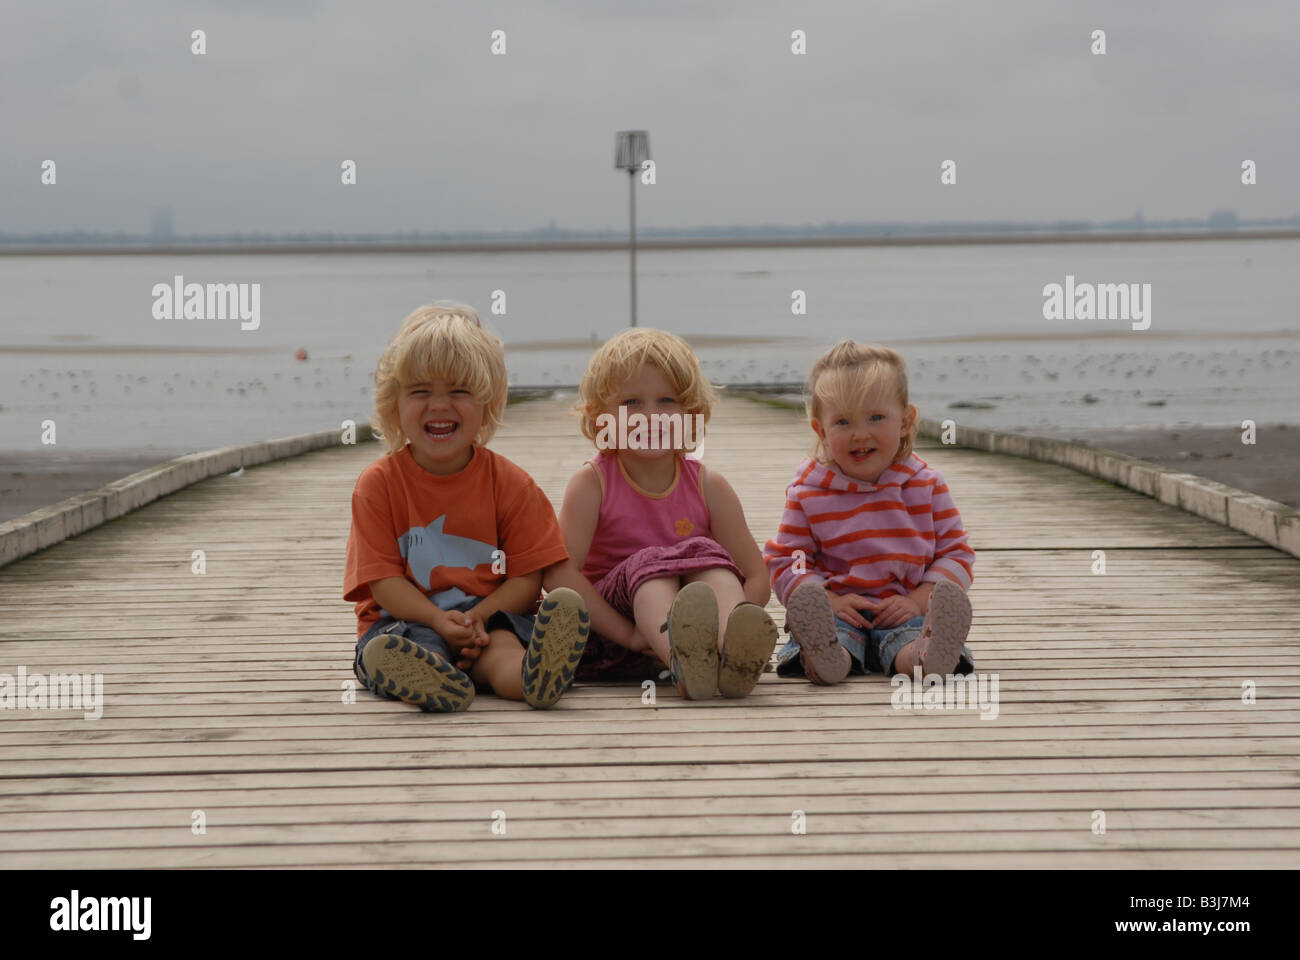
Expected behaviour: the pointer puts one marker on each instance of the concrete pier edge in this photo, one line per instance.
(1275, 524)
(25, 535)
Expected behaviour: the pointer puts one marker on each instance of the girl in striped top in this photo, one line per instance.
(871, 559)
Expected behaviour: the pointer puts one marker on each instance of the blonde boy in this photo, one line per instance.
(449, 539)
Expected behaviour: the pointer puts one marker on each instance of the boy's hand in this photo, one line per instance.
(464, 634)
(896, 610)
(466, 653)
(453, 625)
(480, 629)
(846, 607)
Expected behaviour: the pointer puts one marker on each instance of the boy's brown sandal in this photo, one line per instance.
(408, 672)
(560, 633)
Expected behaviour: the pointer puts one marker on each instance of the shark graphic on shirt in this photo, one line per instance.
(428, 547)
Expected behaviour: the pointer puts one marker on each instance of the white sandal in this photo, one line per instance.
(947, 624)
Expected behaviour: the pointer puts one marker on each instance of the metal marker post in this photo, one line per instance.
(631, 150)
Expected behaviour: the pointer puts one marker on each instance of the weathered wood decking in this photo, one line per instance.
(223, 693)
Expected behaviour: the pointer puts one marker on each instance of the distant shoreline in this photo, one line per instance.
(613, 246)
(699, 341)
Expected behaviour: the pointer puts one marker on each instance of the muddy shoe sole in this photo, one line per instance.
(747, 646)
(811, 623)
(409, 672)
(947, 624)
(693, 639)
(560, 633)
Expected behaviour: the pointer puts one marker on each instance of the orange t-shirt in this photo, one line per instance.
(444, 533)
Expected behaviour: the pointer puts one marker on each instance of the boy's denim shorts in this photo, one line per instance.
(873, 651)
(425, 636)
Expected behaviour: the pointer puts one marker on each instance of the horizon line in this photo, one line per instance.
(197, 245)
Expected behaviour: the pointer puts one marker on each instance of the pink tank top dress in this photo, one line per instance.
(641, 536)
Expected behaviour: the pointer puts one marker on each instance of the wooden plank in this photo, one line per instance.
(409, 848)
(345, 728)
(917, 775)
(194, 759)
(298, 857)
(564, 744)
(1186, 808)
(439, 801)
(1068, 830)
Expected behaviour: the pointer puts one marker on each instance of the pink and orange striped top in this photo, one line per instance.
(871, 539)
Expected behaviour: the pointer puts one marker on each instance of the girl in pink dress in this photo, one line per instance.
(658, 544)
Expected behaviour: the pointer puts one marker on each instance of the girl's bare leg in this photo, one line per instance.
(651, 604)
(728, 590)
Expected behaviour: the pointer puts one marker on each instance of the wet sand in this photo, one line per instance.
(30, 481)
(1270, 467)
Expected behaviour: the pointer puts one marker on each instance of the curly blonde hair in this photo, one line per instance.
(621, 356)
(847, 377)
(443, 341)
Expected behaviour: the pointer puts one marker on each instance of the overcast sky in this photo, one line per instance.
(446, 136)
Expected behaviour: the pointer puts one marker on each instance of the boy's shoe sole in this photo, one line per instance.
(409, 672)
(693, 639)
(747, 646)
(811, 623)
(947, 624)
(560, 633)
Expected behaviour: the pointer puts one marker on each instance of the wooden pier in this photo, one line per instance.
(224, 699)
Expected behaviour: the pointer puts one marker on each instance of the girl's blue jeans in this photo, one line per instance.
(873, 651)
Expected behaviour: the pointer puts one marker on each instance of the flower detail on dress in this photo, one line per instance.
(684, 527)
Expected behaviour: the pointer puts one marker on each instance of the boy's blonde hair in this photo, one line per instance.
(847, 376)
(621, 356)
(443, 341)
